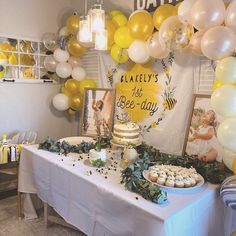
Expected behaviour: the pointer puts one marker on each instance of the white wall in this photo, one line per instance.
(28, 106)
(31, 18)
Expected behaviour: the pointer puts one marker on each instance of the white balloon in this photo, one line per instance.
(79, 73)
(63, 70)
(226, 70)
(138, 52)
(60, 102)
(75, 61)
(226, 134)
(230, 19)
(61, 55)
(223, 100)
(228, 158)
(184, 10)
(63, 31)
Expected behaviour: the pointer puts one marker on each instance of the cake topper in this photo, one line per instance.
(123, 118)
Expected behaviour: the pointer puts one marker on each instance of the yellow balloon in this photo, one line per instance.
(72, 24)
(229, 159)
(13, 59)
(65, 91)
(162, 13)
(7, 47)
(114, 13)
(27, 60)
(111, 29)
(119, 54)
(226, 70)
(217, 84)
(120, 20)
(72, 86)
(123, 37)
(75, 102)
(177, 7)
(141, 25)
(74, 48)
(86, 83)
(3, 58)
(71, 111)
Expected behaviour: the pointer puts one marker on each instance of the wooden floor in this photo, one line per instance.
(11, 226)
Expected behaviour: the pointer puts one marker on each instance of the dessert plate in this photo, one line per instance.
(193, 189)
(76, 140)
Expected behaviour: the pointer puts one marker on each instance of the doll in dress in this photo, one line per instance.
(203, 142)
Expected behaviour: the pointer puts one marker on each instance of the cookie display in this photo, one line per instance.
(173, 176)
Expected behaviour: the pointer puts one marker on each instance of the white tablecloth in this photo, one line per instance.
(99, 206)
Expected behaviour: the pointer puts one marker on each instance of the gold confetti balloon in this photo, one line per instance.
(175, 35)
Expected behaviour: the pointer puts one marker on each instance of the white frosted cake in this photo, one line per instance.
(126, 133)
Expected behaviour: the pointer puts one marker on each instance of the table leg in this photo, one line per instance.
(45, 210)
(19, 205)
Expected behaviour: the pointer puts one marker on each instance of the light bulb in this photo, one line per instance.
(101, 40)
(84, 34)
(97, 18)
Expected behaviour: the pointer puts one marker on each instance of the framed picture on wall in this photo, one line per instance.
(200, 140)
(98, 112)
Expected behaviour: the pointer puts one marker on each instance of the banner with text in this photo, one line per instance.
(156, 95)
(151, 5)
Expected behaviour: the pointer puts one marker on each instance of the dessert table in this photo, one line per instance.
(99, 205)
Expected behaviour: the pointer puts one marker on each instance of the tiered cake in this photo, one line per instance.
(126, 133)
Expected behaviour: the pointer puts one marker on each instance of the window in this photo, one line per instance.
(22, 61)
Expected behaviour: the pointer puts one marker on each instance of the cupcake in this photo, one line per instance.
(179, 177)
(161, 180)
(187, 183)
(153, 175)
(179, 183)
(196, 177)
(192, 181)
(170, 182)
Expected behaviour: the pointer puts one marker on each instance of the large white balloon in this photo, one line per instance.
(206, 14)
(184, 10)
(226, 134)
(79, 73)
(60, 102)
(226, 70)
(223, 100)
(230, 19)
(138, 52)
(218, 42)
(64, 70)
(61, 55)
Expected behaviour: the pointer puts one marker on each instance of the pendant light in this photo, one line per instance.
(97, 16)
(85, 33)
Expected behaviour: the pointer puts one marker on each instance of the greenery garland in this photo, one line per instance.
(132, 176)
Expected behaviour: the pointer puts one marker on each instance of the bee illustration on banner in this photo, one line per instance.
(169, 104)
(110, 74)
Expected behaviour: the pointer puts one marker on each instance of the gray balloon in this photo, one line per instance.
(50, 63)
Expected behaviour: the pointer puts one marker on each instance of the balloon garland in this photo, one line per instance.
(64, 60)
(205, 28)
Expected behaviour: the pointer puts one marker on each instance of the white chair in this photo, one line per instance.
(24, 137)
